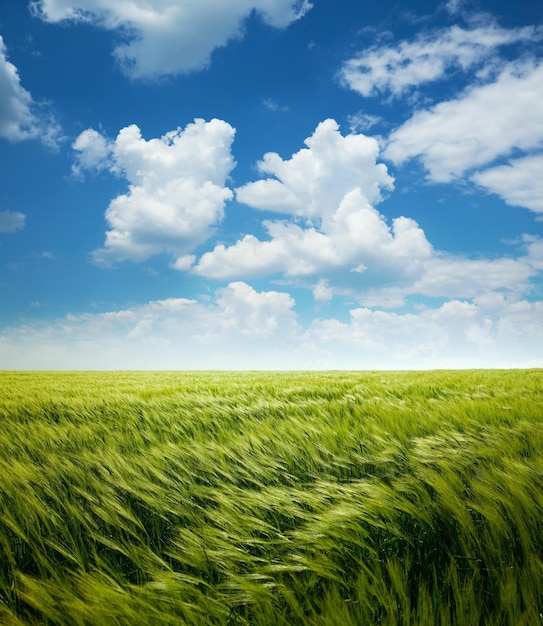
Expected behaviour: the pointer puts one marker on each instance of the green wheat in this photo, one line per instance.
(219, 498)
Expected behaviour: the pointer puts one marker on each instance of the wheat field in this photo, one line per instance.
(267, 498)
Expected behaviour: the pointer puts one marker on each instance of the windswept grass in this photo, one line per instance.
(271, 499)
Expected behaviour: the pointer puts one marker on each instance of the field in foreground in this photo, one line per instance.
(287, 499)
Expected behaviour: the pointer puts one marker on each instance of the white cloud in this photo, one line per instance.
(457, 334)
(382, 336)
(498, 115)
(272, 105)
(11, 221)
(454, 6)
(245, 329)
(534, 248)
(313, 181)
(457, 277)
(238, 313)
(20, 115)
(361, 122)
(173, 333)
(484, 123)
(183, 263)
(256, 315)
(334, 241)
(430, 57)
(170, 36)
(322, 292)
(331, 185)
(519, 183)
(176, 189)
(93, 151)
(444, 275)
(357, 241)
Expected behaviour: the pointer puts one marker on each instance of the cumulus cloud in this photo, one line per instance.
(384, 335)
(170, 36)
(176, 188)
(519, 182)
(20, 116)
(173, 333)
(484, 123)
(256, 315)
(395, 69)
(330, 186)
(443, 275)
(93, 152)
(492, 333)
(332, 239)
(241, 328)
(358, 241)
(11, 221)
(314, 180)
(238, 313)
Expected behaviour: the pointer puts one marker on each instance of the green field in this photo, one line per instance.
(343, 498)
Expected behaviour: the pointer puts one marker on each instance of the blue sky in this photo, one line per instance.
(271, 184)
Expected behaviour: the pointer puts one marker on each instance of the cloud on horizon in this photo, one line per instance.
(245, 329)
